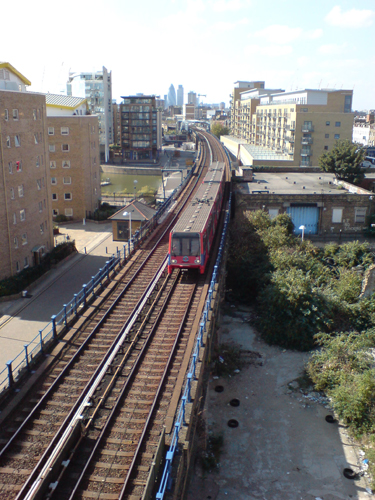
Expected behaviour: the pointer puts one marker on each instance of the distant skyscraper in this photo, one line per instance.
(180, 95)
(171, 96)
(165, 101)
(192, 98)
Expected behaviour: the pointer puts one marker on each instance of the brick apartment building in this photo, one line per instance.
(25, 201)
(74, 158)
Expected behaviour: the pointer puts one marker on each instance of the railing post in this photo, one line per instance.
(26, 356)
(65, 318)
(75, 304)
(107, 268)
(10, 374)
(124, 252)
(93, 285)
(128, 246)
(189, 377)
(41, 340)
(184, 399)
(84, 293)
(54, 333)
(100, 275)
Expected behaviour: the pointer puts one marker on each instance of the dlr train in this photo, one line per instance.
(191, 238)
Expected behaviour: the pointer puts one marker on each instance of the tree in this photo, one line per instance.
(344, 160)
(219, 129)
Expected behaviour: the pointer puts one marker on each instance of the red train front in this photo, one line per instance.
(191, 239)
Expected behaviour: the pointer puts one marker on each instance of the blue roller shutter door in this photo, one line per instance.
(304, 216)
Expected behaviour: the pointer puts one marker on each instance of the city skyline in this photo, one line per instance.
(289, 45)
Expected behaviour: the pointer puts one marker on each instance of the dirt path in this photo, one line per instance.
(283, 447)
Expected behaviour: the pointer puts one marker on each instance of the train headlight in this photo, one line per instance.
(197, 260)
(174, 261)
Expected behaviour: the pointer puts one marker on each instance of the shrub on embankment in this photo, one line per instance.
(24, 278)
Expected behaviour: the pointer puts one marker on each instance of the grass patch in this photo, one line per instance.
(211, 456)
(227, 359)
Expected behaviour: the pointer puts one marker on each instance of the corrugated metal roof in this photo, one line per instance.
(64, 100)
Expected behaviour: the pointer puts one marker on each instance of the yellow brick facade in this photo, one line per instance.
(74, 165)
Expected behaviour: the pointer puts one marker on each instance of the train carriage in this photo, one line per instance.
(191, 238)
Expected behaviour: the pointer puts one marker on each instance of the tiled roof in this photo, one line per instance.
(139, 211)
(64, 100)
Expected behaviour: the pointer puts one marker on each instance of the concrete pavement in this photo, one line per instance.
(21, 319)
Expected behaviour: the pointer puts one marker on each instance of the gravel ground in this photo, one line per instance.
(283, 448)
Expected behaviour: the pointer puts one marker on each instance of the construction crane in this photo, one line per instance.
(201, 95)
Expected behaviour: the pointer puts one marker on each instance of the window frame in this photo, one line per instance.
(64, 130)
(15, 114)
(70, 196)
(65, 148)
(51, 130)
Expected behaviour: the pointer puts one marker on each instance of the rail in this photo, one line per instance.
(166, 480)
(24, 360)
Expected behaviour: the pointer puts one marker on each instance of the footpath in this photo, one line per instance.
(21, 319)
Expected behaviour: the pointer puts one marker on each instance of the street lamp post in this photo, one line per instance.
(130, 223)
(303, 231)
(135, 188)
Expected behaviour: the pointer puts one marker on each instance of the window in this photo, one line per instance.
(15, 242)
(53, 181)
(326, 136)
(8, 141)
(6, 115)
(17, 141)
(337, 136)
(41, 228)
(65, 147)
(51, 148)
(67, 196)
(40, 206)
(328, 124)
(55, 212)
(14, 218)
(39, 184)
(34, 114)
(273, 212)
(52, 164)
(325, 148)
(51, 131)
(15, 114)
(67, 180)
(24, 239)
(54, 196)
(37, 162)
(360, 215)
(20, 191)
(69, 212)
(26, 262)
(64, 130)
(337, 124)
(36, 139)
(19, 166)
(10, 167)
(11, 193)
(337, 215)
(22, 214)
(18, 269)
(66, 164)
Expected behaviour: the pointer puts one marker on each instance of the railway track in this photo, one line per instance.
(131, 348)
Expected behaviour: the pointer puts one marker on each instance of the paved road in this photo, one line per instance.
(21, 319)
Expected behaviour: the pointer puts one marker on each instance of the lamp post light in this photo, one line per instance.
(135, 188)
(130, 223)
(303, 231)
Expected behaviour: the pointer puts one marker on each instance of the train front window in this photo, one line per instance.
(185, 244)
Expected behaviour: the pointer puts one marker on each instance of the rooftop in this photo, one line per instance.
(65, 101)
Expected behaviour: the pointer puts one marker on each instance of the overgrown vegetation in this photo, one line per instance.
(211, 456)
(21, 280)
(308, 298)
(226, 359)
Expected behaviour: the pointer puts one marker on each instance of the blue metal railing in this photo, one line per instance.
(166, 480)
(36, 346)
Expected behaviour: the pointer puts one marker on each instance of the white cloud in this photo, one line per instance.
(303, 61)
(279, 34)
(227, 5)
(332, 49)
(226, 26)
(314, 34)
(268, 50)
(353, 18)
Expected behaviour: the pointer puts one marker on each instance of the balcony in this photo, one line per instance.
(306, 152)
(290, 138)
(307, 128)
(306, 140)
(305, 163)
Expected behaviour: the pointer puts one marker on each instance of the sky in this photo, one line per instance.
(205, 45)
